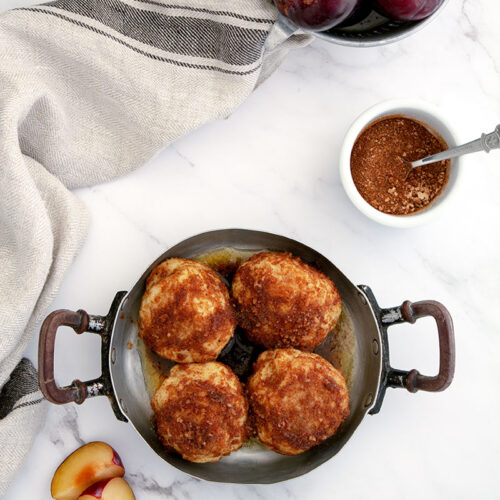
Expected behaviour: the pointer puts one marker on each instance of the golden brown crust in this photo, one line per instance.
(186, 314)
(201, 411)
(298, 400)
(284, 302)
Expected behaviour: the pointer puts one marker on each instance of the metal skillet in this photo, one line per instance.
(123, 382)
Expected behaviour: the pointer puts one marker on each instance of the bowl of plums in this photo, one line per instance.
(358, 23)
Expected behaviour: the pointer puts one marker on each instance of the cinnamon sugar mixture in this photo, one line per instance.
(379, 170)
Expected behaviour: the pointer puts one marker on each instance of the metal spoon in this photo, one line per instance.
(487, 142)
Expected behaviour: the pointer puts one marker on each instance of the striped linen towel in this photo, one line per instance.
(90, 90)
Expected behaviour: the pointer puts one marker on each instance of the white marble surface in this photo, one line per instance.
(273, 166)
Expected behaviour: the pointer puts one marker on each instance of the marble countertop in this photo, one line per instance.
(273, 166)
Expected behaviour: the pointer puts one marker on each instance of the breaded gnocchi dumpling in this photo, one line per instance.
(298, 399)
(201, 411)
(186, 314)
(284, 302)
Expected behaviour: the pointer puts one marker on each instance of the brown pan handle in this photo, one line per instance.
(81, 322)
(409, 312)
(76, 392)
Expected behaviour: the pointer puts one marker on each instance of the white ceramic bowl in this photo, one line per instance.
(423, 112)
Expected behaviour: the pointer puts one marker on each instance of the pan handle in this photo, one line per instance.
(77, 391)
(81, 322)
(409, 312)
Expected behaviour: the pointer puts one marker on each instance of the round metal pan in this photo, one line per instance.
(123, 381)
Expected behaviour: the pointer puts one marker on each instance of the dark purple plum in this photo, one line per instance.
(317, 15)
(361, 11)
(407, 10)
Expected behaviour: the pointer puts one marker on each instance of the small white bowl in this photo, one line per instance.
(423, 112)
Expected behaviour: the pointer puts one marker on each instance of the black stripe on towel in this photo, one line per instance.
(140, 51)
(28, 403)
(208, 11)
(23, 381)
(188, 36)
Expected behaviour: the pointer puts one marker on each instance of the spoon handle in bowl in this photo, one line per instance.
(486, 143)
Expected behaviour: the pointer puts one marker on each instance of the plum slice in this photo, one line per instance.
(109, 489)
(89, 464)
